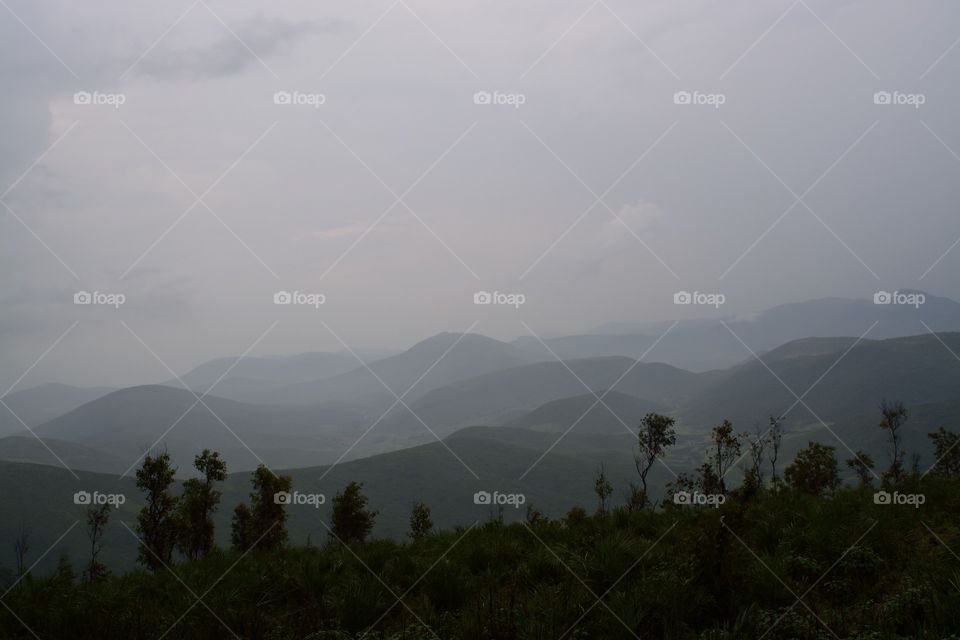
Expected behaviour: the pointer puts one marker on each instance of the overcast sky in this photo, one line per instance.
(589, 190)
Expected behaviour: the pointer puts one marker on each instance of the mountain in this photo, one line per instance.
(584, 414)
(921, 371)
(55, 452)
(127, 422)
(705, 344)
(467, 355)
(39, 404)
(248, 374)
(499, 397)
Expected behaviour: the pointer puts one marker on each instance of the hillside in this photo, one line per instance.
(43, 403)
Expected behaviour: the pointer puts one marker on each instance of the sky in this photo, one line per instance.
(189, 161)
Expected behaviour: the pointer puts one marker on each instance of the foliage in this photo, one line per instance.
(421, 523)
(351, 520)
(156, 523)
(814, 470)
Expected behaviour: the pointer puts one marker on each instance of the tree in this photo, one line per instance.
(894, 414)
(97, 518)
(946, 453)
(775, 434)
(862, 464)
(21, 546)
(157, 524)
(241, 527)
(351, 520)
(198, 504)
(724, 452)
(753, 477)
(814, 470)
(655, 435)
(603, 489)
(420, 522)
(268, 518)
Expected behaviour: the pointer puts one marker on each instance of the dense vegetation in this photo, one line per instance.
(794, 557)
